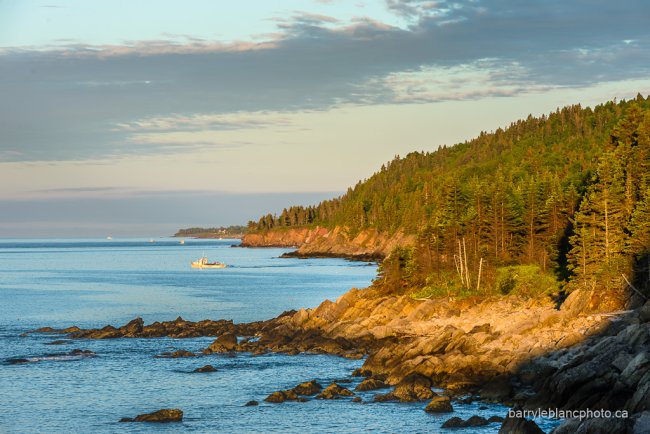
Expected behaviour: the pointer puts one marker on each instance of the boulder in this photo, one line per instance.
(334, 391)
(476, 421)
(251, 404)
(454, 422)
(519, 425)
(361, 372)
(413, 388)
(356, 399)
(164, 415)
(281, 396)
(439, 404)
(176, 355)
(308, 388)
(370, 384)
(223, 344)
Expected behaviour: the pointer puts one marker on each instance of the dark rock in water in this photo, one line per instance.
(85, 353)
(493, 419)
(223, 344)
(370, 384)
(343, 380)
(178, 328)
(357, 399)
(308, 388)
(206, 368)
(164, 415)
(439, 404)
(251, 404)
(457, 422)
(16, 361)
(519, 425)
(176, 355)
(454, 422)
(467, 400)
(281, 396)
(59, 342)
(334, 391)
(483, 407)
(476, 421)
(360, 372)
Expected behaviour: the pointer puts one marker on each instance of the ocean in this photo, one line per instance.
(95, 282)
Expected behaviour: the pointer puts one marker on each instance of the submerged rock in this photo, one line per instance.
(16, 361)
(164, 415)
(176, 355)
(251, 404)
(206, 368)
(59, 342)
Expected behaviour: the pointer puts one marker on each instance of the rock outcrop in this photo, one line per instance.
(366, 245)
(439, 404)
(334, 391)
(164, 415)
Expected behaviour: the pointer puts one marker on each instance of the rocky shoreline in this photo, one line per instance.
(321, 242)
(512, 350)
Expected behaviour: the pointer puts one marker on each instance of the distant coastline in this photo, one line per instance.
(218, 232)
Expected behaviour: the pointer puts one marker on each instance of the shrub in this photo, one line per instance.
(527, 280)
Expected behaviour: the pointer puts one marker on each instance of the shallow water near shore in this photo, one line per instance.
(91, 283)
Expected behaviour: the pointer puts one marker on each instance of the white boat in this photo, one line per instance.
(203, 263)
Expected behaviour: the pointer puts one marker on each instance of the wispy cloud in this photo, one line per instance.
(85, 102)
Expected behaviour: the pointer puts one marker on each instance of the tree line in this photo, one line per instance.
(567, 193)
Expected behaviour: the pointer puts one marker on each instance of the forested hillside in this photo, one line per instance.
(559, 200)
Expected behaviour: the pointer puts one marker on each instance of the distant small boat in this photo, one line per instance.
(182, 241)
(109, 238)
(203, 263)
(152, 240)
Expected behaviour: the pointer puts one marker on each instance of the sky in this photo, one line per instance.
(135, 118)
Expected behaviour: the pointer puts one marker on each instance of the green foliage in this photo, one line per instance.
(565, 192)
(445, 284)
(222, 231)
(528, 280)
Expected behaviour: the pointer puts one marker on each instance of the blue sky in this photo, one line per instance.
(123, 102)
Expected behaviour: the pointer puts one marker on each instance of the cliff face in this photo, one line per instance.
(321, 241)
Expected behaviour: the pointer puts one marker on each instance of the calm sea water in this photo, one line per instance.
(91, 283)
